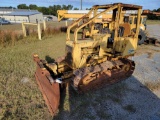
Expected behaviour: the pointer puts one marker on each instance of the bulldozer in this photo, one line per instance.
(93, 62)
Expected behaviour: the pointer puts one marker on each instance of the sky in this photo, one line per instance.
(147, 4)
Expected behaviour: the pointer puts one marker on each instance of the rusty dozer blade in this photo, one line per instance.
(50, 89)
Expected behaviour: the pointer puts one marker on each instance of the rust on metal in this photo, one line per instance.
(50, 91)
(60, 59)
(104, 74)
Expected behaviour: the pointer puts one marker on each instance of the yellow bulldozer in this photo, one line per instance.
(91, 62)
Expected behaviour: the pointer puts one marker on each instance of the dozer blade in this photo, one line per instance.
(50, 90)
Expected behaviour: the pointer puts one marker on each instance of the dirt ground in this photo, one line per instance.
(154, 30)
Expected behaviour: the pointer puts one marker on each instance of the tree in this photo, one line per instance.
(88, 8)
(44, 10)
(51, 10)
(158, 10)
(69, 7)
(33, 7)
(64, 7)
(154, 10)
(22, 6)
(76, 8)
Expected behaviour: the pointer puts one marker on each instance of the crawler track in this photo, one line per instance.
(109, 72)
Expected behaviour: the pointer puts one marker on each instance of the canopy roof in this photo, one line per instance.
(125, 6)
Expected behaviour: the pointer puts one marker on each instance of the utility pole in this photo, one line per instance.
(81, 4)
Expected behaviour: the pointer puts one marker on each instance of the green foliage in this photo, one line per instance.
(76, 8)
(153, 16)
(156, 10)
(32, 7)
(51, 10)
(44, 10)
(88, 8)
(22, 6)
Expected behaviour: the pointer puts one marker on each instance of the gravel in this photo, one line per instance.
(138, 102)
(141, 97)
(154, 31)
(140, 94)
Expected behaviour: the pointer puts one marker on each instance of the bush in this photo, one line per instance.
(9, 37)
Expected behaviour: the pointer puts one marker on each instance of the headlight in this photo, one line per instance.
(142, 28)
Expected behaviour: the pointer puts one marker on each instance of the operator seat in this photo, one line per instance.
(124, 30)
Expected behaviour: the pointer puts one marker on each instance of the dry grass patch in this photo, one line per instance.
(152, 85)
(151, 22)
(52, 30)
(9, 37)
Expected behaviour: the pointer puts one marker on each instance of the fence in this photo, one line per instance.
(35, 24)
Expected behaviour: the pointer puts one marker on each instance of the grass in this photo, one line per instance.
(19, 26)
(20, 99)
(9, 37)
(151, 22)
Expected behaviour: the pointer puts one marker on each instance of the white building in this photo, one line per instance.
(50, 18)
(21, 15)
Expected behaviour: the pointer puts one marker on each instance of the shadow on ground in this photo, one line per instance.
(125, 100)
(49, 59)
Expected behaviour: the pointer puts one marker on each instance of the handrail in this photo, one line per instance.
(76, 22)
(96, 16)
